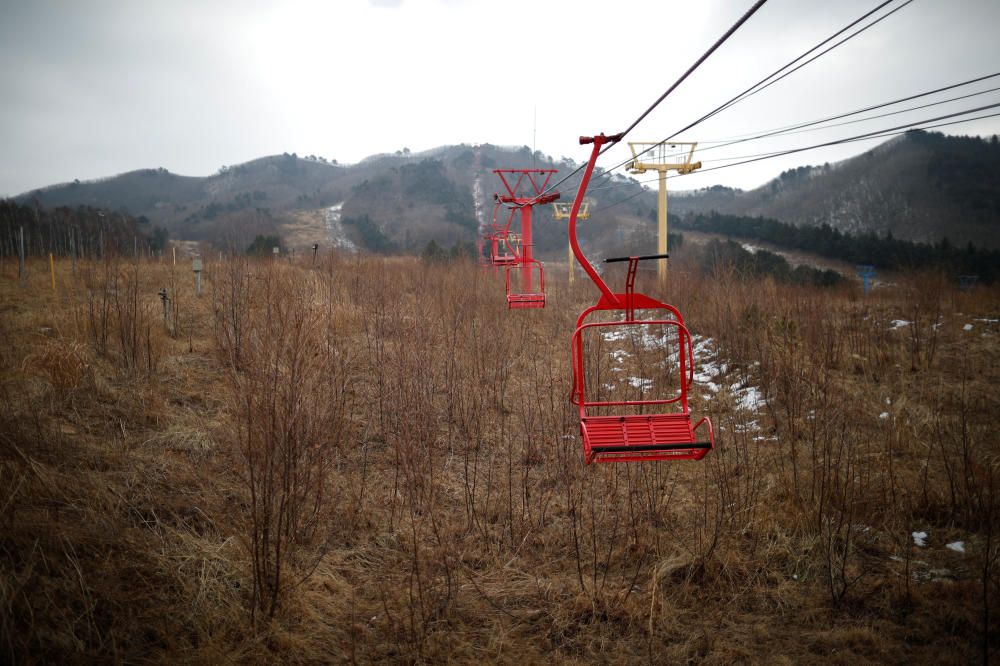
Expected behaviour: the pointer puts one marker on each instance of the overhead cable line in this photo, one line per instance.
(864, 109)
(750, 12)
(798, 129)
(764, 83)
(880, 134)
(719, 42)
(877, 134)
(867, 135)
(821, 54)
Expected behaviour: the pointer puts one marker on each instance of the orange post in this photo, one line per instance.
(52, 269)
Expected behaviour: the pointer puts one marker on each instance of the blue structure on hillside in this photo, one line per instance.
(967, 282)
(866, 273)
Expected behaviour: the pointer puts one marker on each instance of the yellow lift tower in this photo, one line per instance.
(560, 211)
(658, 156)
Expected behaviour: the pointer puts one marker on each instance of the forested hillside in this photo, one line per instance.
(923, 186)
(868, 248)
(82, 231)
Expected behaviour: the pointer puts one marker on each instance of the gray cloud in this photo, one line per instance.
(97, 88)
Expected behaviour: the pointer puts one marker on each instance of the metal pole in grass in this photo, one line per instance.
(165, 299)
(22, 275)
(52, 270)
(173, 249)
(196, 267)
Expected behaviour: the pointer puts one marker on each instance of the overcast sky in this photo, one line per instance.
(94, 88)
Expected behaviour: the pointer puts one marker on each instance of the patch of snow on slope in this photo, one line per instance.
(614, 336)
(335, 230)
(640, 383)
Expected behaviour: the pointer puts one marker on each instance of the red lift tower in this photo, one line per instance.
(525, 193)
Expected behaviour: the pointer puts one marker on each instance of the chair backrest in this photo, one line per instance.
(533, 265)
(667, 318)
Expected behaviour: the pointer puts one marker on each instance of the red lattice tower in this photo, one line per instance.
(523, 194)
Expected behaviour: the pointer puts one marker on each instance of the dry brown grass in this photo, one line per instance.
(460, 523)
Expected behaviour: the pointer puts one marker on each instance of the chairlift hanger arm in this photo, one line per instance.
(598, 142)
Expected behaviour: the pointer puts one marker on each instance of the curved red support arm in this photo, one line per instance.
(711, 431)
(598, 142)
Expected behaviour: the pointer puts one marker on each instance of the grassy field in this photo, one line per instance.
(373, 459)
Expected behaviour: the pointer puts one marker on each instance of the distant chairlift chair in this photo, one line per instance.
(516, 301)
(505, 245)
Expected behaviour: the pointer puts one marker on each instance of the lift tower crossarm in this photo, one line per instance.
(524, 201)
(522, 174)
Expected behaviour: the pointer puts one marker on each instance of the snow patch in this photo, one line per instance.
(640, 383)
(919, 539)
(335, 229)
(967, 327)
(898, 323)
(957, 546)
(884, 415)
(748, 398)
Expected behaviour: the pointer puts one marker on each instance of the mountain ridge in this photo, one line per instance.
(919, 187)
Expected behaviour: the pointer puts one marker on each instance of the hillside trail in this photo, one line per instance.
(322, 226)
(794, 257)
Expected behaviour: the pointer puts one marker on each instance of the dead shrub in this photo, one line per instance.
(288, 396)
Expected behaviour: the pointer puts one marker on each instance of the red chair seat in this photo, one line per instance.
(641, 437)
(519, 301)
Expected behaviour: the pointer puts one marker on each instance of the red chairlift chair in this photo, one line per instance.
(504, 246)
(517, 301)
(632, 437)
